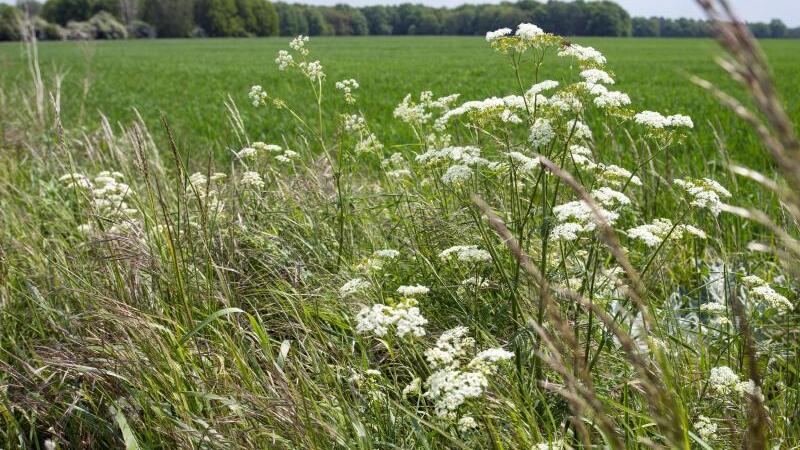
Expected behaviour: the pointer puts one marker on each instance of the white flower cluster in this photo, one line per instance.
(453, 382)
(542, 133)
(466, 253)
(312, 70)
(108, 196)
(577, 216)
(653, 234)
(284, 60)
(257, 147)
(252, 180)
(468, 156)
(705, 428)
(529, 32)
(616, 176)
(258, 97)
(724, 381)
(405, 317)
(504, 109)
(353, 287)
(347, 87)
(659, 121)
(413, 291)
(704, 193)
(595, 76)
(523, 162)
(369, 144)
(298, 44)
(414, 113)
(457, 174)
(354, 123)
(587, 55)
(761, 290)
(497, 34)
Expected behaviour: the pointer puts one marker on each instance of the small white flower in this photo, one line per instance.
(467, 424)
(457, 174)
(252, 180)
(353, 286)
(466, 253)
(705, 428)
(497, 34)
(542, 133)
(258, 97)
(412, 291)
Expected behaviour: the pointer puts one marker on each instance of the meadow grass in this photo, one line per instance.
(301, 271)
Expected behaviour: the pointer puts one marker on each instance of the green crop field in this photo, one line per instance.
(189, 80)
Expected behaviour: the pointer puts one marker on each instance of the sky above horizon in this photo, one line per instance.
(749, 10)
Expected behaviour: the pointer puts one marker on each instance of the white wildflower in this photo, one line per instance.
(583, 54)
(457, 174)
(284, 60)
(404, 317)
(497, 34)
(595, 76)
(466, 253)
(467, 424)
(705, 193)
(258, 97)
(252, 180)
(723, 380)
(353, 286)
(567, 231)
(247, 152)
(705, 428)
(529, 32)
(542, 133)
(412, 291)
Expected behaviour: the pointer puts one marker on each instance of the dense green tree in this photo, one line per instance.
(292, 19)
(778, 29)
(460, 20)
(171, 18)
(266, 18)
(317, 26)
(218, 18)
(9, 23)
(345, 20)
(32, 7)
(63, 11)
(379, 20)
(644, 27)
(606, 18)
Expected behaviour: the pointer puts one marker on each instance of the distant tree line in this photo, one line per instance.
(82, 19)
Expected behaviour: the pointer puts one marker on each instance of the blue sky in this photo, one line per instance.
(751, 10)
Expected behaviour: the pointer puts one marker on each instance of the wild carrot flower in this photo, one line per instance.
(258, 97)
(298, 44)
(542, 133)
(760, 290)
(466, 253)
(457, 174)
(252, 180)
(467, 424)
(284, 60)
(704, 193)
(347, 87)
(587, 55)
(405, 318)
(353, 286)
(497, 34)
(412, 291)
(595, 76)
(705, 428)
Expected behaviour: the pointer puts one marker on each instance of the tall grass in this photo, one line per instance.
(502, 281)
